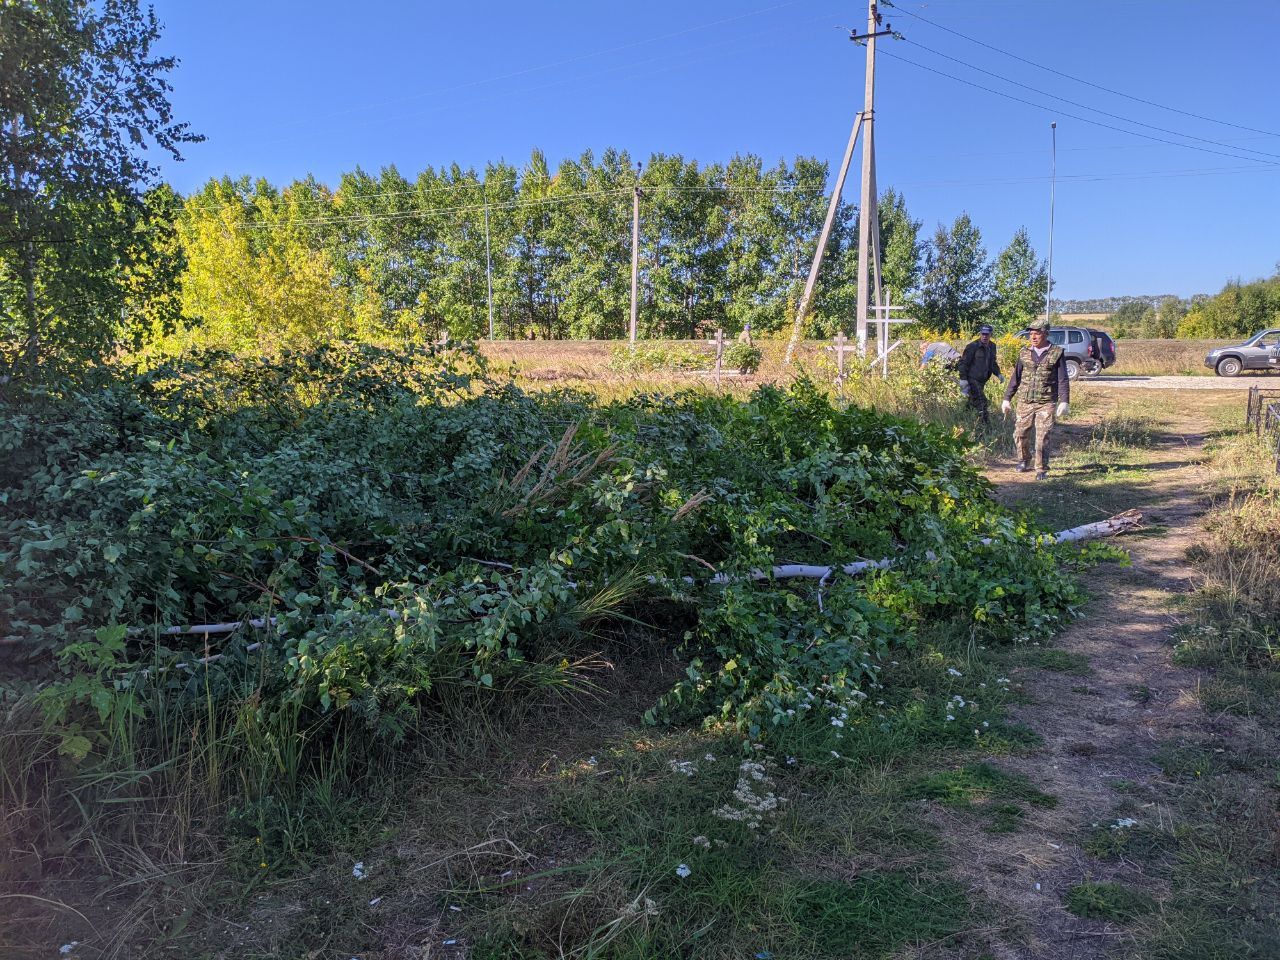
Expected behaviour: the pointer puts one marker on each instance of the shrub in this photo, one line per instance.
(744, 357)
(650, 356)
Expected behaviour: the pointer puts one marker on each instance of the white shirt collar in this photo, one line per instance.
(1039, 351)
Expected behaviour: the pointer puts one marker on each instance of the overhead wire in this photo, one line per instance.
(1089, 120)
(1075, 79)
(1085, 106)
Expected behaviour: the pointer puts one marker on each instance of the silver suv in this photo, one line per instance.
(1259, 352)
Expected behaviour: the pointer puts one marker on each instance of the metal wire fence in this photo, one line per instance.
(1263, 417)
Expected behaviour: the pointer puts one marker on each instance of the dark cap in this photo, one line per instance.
(985, 328)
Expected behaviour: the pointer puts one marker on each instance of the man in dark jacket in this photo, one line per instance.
(978, 364)
(1043, 390)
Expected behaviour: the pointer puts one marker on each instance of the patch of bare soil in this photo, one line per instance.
(1099, 731)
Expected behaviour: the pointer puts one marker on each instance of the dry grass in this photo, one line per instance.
(587, 360)
(1149, 358)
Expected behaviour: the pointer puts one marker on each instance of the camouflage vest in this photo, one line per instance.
(1039, 379)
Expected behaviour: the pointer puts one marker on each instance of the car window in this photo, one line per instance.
(1270, 340)
(1058, 336)
(1075, 336)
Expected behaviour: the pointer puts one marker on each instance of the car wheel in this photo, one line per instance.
(1229, 366)
(1073, 369)
(1091, 367)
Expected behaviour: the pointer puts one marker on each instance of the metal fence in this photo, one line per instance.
(1263, 417)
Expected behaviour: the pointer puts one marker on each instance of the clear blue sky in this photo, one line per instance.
(283, 89)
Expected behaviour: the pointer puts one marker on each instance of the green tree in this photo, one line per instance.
(1163, 321)
(81, 97)
(257, 276)
(1239, 310)
(1131, 318)
(592, 228)
(899, 247)
(152, 274)
(1019, 278)
(956, 289)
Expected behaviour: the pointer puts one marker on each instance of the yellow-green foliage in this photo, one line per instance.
(255, 280)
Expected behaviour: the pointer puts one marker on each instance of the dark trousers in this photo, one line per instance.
(978, 398)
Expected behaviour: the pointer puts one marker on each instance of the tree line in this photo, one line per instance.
(1238, 310)
(547, 253)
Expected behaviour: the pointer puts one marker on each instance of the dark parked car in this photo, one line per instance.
(1259, 352)
(1087, 350)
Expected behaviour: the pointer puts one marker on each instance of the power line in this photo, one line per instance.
(1068, 76)
(409, 214)
(1096, 123)
(1085, 106)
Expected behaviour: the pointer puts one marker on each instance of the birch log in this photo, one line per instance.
(1120, 523)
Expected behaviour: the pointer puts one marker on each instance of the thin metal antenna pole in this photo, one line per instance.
(488, 258)
(635, 259)
(1053, 189)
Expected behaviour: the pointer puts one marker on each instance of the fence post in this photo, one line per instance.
(719, 354)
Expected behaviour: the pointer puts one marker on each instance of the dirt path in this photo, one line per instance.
(1172, 382)
(1100, 730)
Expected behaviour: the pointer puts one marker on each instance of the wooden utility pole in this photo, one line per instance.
(635, 255)
(867, 226)
(867, 202)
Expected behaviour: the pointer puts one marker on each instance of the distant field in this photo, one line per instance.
(555, 360)
(1154, 357)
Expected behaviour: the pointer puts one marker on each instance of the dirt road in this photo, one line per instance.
(1182, 383)
(1102, 725)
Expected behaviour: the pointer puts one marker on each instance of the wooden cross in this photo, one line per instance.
(841, 347)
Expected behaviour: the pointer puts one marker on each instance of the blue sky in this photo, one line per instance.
(283, 89)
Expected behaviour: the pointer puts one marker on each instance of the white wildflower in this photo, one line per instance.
(687, 767)
(1124, 823)
(640, 907)
(683, 871)
(358, 870)
(952, 671)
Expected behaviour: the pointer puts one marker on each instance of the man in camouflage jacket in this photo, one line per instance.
(1043, 390)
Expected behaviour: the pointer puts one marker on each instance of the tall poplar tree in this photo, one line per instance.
(956, 289)
(1020, 279)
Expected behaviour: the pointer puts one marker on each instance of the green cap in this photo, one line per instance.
(1041, 325)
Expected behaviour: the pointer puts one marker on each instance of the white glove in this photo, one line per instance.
(1062, 409)
(964, 387)
(1006, 406)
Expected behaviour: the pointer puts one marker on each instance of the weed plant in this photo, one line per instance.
(418, 541)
